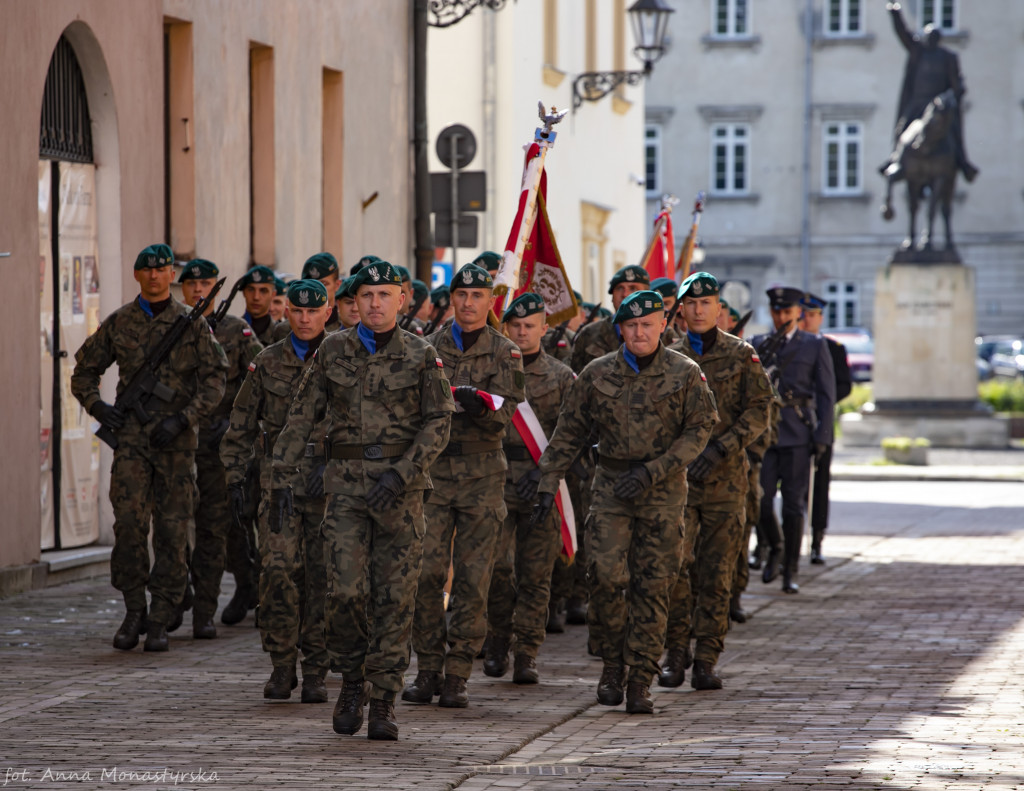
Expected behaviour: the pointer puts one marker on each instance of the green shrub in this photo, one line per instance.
(1003, 395)
(858, 397)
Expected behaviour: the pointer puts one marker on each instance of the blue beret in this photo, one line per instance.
(198, 269)
(637, 304)
(154, 257)
(524, 305)
(307, 293)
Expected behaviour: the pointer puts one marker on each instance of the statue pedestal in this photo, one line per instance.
(925, 378)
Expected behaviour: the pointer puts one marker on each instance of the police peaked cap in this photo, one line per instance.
(307, 293)
(471, 276)
(488, 260)
(198, 269)
(665, 286)
(320, 265)
(524, 305)
(154, 257)
(260, 275)
(629, 274)
(812, 302)
(699, 284)
(637, 304)
(784, 296)
(379, 273)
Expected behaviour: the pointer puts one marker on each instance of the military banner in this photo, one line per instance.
(660, 256)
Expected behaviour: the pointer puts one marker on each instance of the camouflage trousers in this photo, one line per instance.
(241, 556)
(373, 564)
(700, 597)
(632, 563)
(752, 512)
(213, 514)
(521, 580)
(292, 585)
(159, 487)
(470, 511)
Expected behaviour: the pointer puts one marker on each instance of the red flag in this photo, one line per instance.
(661, 254)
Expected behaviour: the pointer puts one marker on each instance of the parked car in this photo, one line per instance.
(860, 351)
(985, 345)
(1007, 358)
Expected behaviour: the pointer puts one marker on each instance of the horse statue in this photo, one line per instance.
(925, 157)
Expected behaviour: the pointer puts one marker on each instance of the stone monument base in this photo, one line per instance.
(943, 429)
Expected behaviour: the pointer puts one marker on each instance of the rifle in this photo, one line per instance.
(406, 321)
(144, 384)
(222, 309)
(435, 319)
(742, 323)
(593, 314)
(557, 335)
(671, 317)
(769, 353)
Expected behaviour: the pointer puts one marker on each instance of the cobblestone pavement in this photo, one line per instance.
(898, 666)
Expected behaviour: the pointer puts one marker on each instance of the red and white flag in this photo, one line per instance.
(661, 253)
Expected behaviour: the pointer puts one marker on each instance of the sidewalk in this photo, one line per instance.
(898, 666)
(944, 464)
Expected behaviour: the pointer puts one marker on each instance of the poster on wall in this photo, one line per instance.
(45, 359)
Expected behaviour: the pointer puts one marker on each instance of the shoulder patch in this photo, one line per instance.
(702, 377)
(562, 344)
(252, 366)
(754, 358)
(516, 354)
(440, 364)
(246, 333)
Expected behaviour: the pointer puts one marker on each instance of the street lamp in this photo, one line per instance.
(649, 20)
(448, 12)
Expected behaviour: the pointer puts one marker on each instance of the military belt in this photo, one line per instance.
(619, 465)
(468, 448)
(518, 453)
(370, 452)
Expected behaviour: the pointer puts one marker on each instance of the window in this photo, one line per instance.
(843, 18)
(941, 13)
(843, 309)
(652, 160)
(730, 159)
(841, 169)
(731, 18)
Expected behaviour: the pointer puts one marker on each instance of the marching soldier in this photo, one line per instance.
(525, 555)
(389, 409)
(653, 413)
(292, 577)
(486, 370)
(152, 480)
(602, 337)
(345, 303)
(279, 302)
(259, 285)
(324, 267)
(213, 514)
(716, 502)
(668, 288)
(801, 371)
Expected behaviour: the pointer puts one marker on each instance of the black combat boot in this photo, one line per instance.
(704, 676)
(422, 690)
(202, 626)
(244, 599)
(771, 565)
(314, 687)
(156, 637)
(638, 698)
(556, 619)
(788, 581)
(382, 724)
(673, 672)
(496, 661)
(816, 556)
(525, 670)
(348, 711)
(281, 683)
(186, 604)
(576, 611)
(453, 693)
(736, 611)
(127, 635)
(756, 558)
(609, 688)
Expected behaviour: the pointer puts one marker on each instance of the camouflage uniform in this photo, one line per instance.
(467, 502)
(716, 506)
(561, 349)
(752, 512)
(148, 483)
(525, 555)
(385, 411)
(595, 340)
(267, 330)
(659, 419)
(292, 578)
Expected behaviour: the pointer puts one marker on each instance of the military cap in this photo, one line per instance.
(699, 284)
(665, 286)
(524, 305)
(259, 274)
(813, 302)
(488, 260)
(366, 259)
(587, 306)
(629, 274)
(320, 265)
(579, 297)
(403, 273)
(280, 286)
(441, 297)
(734, 313)
(307, 293)
(604, 313)
(471, 276)
(784, 297)
(345, 289)
(154, 257)
(198, 269)
(420, 290)
(637, 304)
(378, 273)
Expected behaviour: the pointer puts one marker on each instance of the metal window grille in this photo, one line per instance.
(65, 131)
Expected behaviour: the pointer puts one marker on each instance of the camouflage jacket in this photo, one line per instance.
(495, 365)
(660, 418)
(547, 383)
(396, 397)
(240, 346)
(595, 340)
(274, 332)
(260, 410)
(561, 349)
(743, 395)
(195, 369)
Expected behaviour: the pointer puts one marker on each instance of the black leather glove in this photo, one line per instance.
(239, 501)
(386, 491)
(315, 481)
(542, 509)
(217, 431)
(699, 468)
(469, 397)
(632, 484)
(108, 414)
(818, 451)
(526, 487)
(281, 507)
(167, 429)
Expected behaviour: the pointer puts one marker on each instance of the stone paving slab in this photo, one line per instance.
(898, 666)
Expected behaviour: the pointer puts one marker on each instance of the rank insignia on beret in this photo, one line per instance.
(520, 309)
(304, 297)
(374, 274)
(635, 308)
(194, 271)
(314, 272)
(629, 275)
(467, 277)
(698, 289)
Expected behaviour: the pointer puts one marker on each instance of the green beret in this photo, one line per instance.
(587, 306)
(723, 303)
(378, 273)
(307, 293)
(345, 289)
(420, 290)
(488, 260)
(604, 313)
(260, 275)
(524, 305)
(699, 284)
(441, 297)
(579, 297)
(198, 269)
(471, 276)
(366, 259)
(665, 286)
(637, 304)
(629, 274)
(154, 257)
(402, 272)
(734, 313)
(280, 287)
(320, 265)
